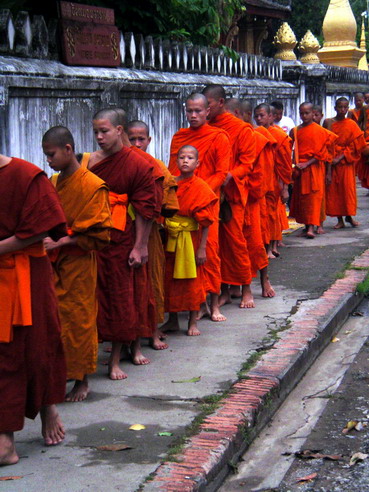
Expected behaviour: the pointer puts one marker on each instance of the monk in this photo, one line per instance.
(350, 145)
(214, 150)
(130, 180)
(139, 137)
(184, 277)
(85, 201)
(263, 116)
(256, 192)
(366, 97)
(310, 154)
(358, 113)
(32, 365)
(235, 260)
(361, 116)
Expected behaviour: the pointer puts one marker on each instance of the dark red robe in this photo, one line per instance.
(32, 366)
(125, 173)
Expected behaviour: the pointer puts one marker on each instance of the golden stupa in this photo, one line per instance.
(285, 42)
(309, 47)
(363, 63)
(339, 31)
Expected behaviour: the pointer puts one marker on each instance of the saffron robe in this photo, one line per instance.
(125, 173)
(85, 201)
(252, 223)
(215, 155)
(341, 193)
(32, 365)
(234, 256)
(308, 188)
(198, 201)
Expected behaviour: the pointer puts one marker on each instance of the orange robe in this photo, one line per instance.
(308, 188)
(234, 256)
(268, 182)
(85, 201)
(215, 155)
(362, 168)
(341, 193)
(198, 201)
(32, 364)
(282, 174)
(252, 223)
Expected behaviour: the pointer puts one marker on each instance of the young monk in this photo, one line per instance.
(350, 145)
(310, 154)
(130, 180)
(256, 192)
(32, 365)
(139, 137)
(361, 116)
(358, 113)
(85, 201)
(214, 150)
(186, 245)
(235, 260)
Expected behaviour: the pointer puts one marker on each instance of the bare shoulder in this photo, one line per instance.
(95, 157)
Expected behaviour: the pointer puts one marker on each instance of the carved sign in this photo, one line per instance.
(88, 35)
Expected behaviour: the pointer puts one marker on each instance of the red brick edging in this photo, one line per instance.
(226, 433)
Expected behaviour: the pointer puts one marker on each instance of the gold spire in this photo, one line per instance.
(339, 30)
(285, 41)
(309, 47)
(363, 63)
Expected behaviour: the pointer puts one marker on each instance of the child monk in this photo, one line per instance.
(32, 366)
(311, 153)
(185, 287)
(350, 145)
(85, 200)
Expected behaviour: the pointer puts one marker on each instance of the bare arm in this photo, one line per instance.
(304, 165)
(12, 243)
(139, 254)
(201, 251)
(64, 241)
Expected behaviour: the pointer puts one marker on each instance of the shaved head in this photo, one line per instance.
(342, 99)
(246, 106)
(138, 124)
(264, 106)
(317, 107)
(307, 105)
(197, 96)
(214, 91)
(189, 147)
(59, 136)
(359, 95)
(232, 104)
(114, 115)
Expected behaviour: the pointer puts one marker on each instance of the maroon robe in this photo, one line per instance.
(32, 366)
(125, 173)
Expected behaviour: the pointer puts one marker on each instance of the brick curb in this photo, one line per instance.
(226, 434)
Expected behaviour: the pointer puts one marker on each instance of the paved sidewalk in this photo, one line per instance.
(150, 396)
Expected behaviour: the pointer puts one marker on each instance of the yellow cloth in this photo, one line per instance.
(15, 289)
(180, 241)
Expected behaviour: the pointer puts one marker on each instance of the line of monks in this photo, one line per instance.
(116, 238)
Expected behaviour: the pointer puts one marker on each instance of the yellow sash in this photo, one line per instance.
(180, 241)
(15, 289)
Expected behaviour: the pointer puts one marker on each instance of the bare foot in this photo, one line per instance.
(8, 454)
(160, 334)
(267, 289)
(79, 391)
(310, 235)
(138, 357)
(216, 315)
(157, 344)
(350, 220)
(281, 244)
(275, 253)
(115, 372)
(320, 230)
(224, 298)
(271, 256)
(52, 427)
(247, 300)
(204, 311)
(172, 324)
(340, 224)
(235, 291)
(193, 331)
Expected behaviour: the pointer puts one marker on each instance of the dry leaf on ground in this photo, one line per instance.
(357, 457)
(5, 479)
(113, 447)
(349, 426)
(335, 339)
(307, 454)
(137, 427)
(192, 380)
(308, 478)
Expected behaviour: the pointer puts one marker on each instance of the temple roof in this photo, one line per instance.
(269, 8)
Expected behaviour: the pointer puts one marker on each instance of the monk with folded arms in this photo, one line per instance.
(234, 256)
(130, 180)
(187, 234)
(214, 150)
(349, 147)
(32, 364)
(311, 153)
(85, 201)
(139, 137)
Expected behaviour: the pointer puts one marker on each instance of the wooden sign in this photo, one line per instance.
(88, 35)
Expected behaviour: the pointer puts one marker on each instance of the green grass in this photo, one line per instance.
(363, 287)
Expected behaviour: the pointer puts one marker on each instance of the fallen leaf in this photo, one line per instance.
(335, 339)
(347, 332)
(357, 313)
(349, 426)
(192, 380)
(5, 479)
(307, 454)
(113, 447)
(137, 427)
(357, 457)
(359, 427)
(308, 478)
(102, 428)
(165, 434)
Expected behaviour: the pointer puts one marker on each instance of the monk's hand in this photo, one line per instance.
(284, 195)
(201, 256)
(228, 179)
(144, 255)
(49, 244)
(135, 258)
(301, 165)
